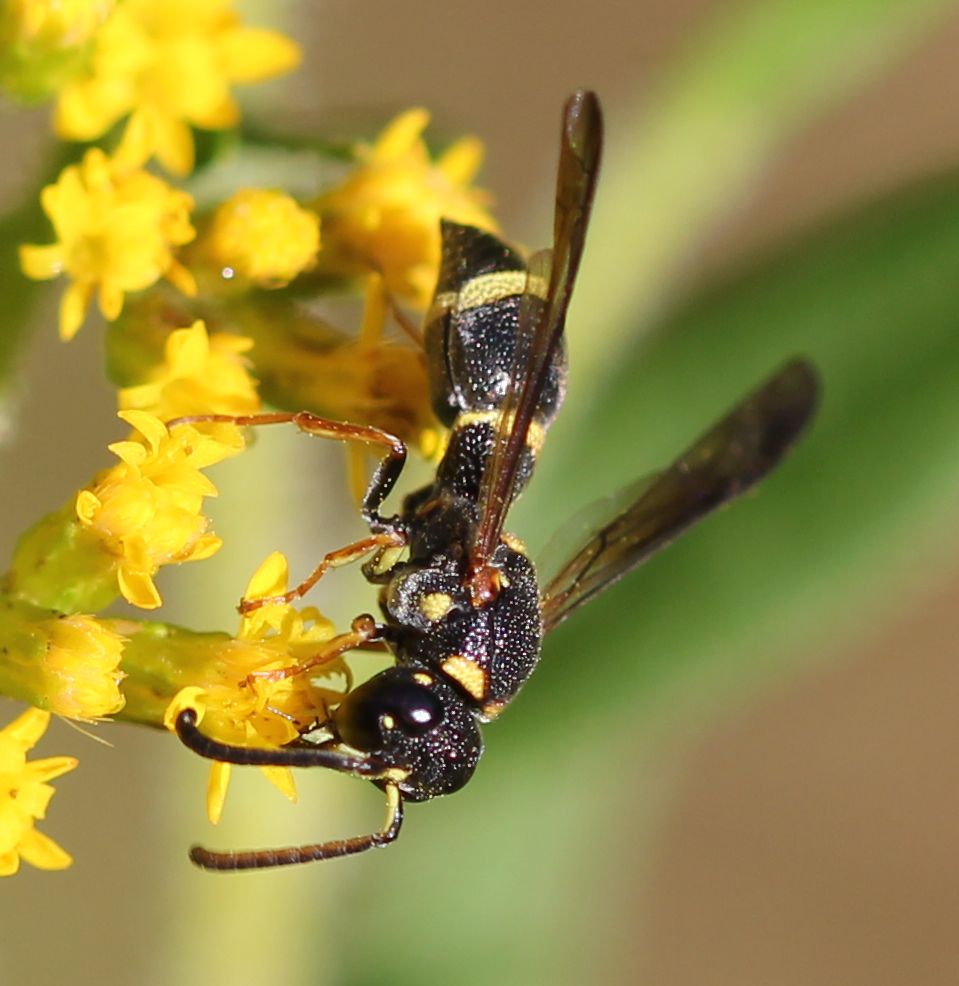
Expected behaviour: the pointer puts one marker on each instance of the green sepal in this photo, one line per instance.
(23, 650)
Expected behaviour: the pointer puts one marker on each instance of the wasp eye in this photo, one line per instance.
(387, 704)
(416, 709)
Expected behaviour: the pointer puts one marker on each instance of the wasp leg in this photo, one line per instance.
(363, 631)
(384, 476)
(262, 858)
(334, 559)
(405, 322)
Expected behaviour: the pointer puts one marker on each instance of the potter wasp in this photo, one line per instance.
(463, 613)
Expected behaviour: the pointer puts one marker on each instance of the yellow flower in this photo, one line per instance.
(170, 65)
(385, 216)
(43, 42)
(116, 229)
(25, 794)
(81, 668)
(64, 664)
(147, 509)
(201, 374)
(247, 699)
(265, 236)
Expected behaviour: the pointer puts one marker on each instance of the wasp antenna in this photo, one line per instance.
(307, 755)
(261, 859)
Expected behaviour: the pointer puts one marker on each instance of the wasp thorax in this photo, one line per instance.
(420, 597)
(415, 723)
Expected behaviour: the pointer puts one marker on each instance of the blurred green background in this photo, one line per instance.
(738, 765)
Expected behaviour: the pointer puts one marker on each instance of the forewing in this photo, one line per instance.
(729, 459)
(541, 323)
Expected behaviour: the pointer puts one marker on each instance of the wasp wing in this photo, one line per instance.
(728, 460)
(543, 314)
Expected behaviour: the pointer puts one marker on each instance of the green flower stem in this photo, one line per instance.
(61, 565)
(23, 650)
(158, 661)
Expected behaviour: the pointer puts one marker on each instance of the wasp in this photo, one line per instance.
(463, 613)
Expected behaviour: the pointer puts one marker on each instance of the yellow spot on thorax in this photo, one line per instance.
(491, 710)
(435, 605)
(467, 673)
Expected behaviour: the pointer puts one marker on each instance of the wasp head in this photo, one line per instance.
(417, 725)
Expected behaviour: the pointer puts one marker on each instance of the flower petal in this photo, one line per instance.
(26, 730)
(41, 262)
(216, 790)
(251, 54)
(73, 308)
(138, 588)
(50, 767)
(282, 779)
(41, 851)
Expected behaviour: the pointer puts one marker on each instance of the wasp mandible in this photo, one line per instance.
(463, 613)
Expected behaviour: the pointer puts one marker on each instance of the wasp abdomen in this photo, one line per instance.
(475, 347)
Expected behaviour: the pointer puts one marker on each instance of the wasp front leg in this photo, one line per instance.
(363, 632)
(384, 476)
(334, 559)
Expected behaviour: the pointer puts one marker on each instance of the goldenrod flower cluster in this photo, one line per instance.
(264, 235)
(117, 229)
(250, 698)
(210, 308)
(386, 215)
(167, 67)
(147, 510)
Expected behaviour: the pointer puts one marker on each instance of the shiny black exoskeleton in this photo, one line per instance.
(463, 612)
